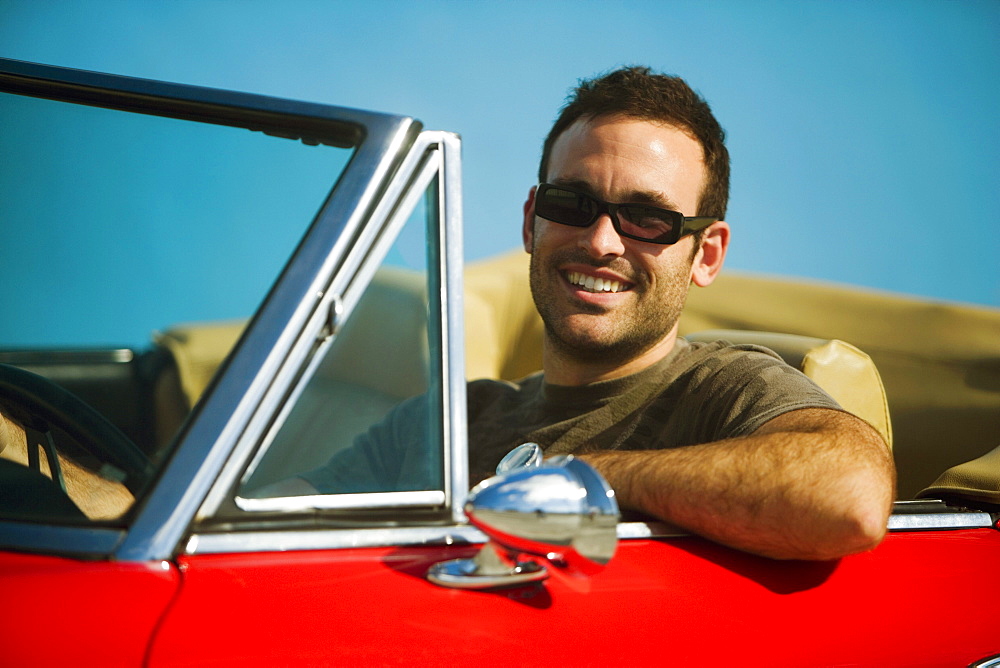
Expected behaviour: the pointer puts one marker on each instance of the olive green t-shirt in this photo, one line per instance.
(700, 392)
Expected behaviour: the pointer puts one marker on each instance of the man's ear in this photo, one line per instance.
(528, 226)
(710, 256)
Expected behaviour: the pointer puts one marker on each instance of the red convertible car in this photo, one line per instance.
(136, 525)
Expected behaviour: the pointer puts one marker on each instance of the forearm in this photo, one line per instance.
(792, 490)
(12, 437)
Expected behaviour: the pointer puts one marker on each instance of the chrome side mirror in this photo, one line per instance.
(562, 510)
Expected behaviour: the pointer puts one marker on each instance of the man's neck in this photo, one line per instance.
(561, 368)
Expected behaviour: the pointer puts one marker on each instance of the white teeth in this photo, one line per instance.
(592, 284)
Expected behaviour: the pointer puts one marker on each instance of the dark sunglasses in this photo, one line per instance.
(635, 221)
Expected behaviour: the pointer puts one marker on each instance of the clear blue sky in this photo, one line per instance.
(864, 135)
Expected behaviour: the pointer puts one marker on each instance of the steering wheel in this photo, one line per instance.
(38, 403)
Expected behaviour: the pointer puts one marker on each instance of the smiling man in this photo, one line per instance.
(611, 290)
(725, 441)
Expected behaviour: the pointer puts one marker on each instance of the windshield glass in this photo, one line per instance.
(125, 237)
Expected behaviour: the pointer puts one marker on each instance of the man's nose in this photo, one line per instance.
(601, 238)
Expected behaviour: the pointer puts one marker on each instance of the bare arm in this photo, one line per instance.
(809, 484)
(98, 497)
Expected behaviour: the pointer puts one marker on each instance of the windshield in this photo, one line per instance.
(123, 237)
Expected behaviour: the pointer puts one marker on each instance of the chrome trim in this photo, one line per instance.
(453, 329)
(524, 456)
(333, 539)
(427, 498)
(338, 539)
(335, 316)
(347, 538)
(907, 516)
(88, 541)
(940, 521)
(50, 358)
(493, 567)
(934, 514)
(280, 541)
(633, 530)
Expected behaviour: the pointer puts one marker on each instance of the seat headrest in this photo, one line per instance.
(844, 372)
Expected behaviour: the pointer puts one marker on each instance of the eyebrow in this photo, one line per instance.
(648, 197)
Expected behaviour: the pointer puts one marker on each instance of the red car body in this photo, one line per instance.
(200, 570)
(680, 601)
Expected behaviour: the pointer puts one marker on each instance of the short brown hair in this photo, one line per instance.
(638, 92)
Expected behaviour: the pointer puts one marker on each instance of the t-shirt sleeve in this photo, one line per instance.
(736, 391)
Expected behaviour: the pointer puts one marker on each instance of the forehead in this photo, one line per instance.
(621, 158)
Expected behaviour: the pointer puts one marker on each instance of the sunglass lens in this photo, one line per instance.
(645, 223)
(565, 206)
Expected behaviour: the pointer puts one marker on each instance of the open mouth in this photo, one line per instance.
(592, 284)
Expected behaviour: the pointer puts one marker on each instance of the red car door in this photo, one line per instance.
(664, 601)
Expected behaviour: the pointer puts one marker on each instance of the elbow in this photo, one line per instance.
(849, 534)
(865, 529)
(860, 526)
(866, 503)
(855, 518)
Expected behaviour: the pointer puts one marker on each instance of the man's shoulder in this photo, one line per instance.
(708, 356)
(698, 350)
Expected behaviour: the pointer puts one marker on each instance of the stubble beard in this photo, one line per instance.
(614, 337)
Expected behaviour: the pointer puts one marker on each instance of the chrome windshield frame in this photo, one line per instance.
(435, 157)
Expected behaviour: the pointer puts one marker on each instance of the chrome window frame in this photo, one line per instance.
(434, 155)
(356, 272)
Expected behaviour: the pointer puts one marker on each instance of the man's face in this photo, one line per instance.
(618, 160)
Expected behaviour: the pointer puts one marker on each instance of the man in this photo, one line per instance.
(725, 441)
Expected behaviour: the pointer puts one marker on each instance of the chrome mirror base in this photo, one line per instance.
(492, 568)
(561, 510)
